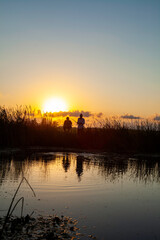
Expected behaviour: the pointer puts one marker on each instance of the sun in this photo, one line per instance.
(54, 105)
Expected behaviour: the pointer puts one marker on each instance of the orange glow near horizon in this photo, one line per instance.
(54, 105)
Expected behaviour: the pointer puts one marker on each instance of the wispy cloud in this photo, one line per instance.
(74, 114)
(99, 115)
(157, 118)
(127, 116)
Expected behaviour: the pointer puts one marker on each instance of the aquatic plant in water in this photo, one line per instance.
(42, 227)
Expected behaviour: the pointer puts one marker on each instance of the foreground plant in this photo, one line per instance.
(10, 209)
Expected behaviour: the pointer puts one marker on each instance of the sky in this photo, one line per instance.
(98, 55)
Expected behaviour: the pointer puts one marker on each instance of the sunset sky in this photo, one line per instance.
(96, 55)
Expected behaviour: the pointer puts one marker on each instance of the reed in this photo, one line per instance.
(10, 209)
(19, 127)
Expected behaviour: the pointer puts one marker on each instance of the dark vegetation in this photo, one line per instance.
(19, 128)
(48, 227)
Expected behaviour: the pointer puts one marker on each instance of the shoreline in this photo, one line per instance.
(15, 150)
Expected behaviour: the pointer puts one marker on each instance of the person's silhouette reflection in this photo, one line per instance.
(66, 162)
(79, 166)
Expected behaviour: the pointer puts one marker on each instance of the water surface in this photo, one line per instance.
(112, 196)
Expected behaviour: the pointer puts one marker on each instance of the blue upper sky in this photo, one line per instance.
(99, 55)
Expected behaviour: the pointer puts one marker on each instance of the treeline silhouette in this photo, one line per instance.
(20, 128)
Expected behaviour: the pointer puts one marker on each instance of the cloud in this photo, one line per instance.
(99, 115)
(69, 113)
(157, 118)
(126, 116)
(72, 114)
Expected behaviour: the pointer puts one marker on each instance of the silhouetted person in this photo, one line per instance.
(80, 123)
(67, 125)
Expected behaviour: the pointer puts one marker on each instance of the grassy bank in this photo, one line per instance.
(19, 128)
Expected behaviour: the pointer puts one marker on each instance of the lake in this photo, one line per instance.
(113, 196)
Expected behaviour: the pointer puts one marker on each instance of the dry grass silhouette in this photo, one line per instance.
(19, 128)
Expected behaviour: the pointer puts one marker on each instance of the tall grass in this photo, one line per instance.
(10, 209)
(19, 127)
